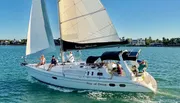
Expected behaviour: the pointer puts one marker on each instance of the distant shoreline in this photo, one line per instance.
(147, 42)
(120, 46)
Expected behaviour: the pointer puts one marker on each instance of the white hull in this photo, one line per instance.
(65, 78)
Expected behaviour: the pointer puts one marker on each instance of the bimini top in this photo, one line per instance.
(127, 55)
(92, 59)
(112, 55)
(130, 56)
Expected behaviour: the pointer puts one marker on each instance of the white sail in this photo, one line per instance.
(85, 21)
(39, 39)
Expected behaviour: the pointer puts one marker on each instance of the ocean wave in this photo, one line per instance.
(61, 89)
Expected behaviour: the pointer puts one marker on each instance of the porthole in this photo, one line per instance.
(100, 74)
(112, 85)
(122, 85)
(82, 63)
(54, 77)
(93, 67)
(92, 73)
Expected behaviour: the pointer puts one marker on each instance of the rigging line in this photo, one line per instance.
(81, 14)
(93, 32)
(74, 4)
(90, 17)
(78, 20)
(99, 30)
(84, 15)
(70, 7)
(61, 0)
(73, 25)
(96, 32)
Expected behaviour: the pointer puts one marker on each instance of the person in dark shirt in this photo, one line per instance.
(119, 69)
(53, 63)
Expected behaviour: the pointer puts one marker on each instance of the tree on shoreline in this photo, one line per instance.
(148, 41)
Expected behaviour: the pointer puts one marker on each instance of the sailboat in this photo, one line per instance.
(84, 24)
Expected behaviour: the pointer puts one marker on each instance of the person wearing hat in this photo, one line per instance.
(142, 65)
(70, 57)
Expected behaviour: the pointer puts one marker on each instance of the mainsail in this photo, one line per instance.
(85, 24)
(39, 39)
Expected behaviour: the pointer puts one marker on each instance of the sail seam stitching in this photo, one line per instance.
(84, 15)
(97, 38)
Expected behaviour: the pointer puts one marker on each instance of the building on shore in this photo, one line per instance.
(1, 42)
(138, 42)
(4, 42)
(16, 41)
(156, 44)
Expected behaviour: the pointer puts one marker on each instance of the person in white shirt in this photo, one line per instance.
(70, 57)
(113, 69)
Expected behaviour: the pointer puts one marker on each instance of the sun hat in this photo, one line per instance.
(139, 61)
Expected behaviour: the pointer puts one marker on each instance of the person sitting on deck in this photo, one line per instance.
(134, 70)
(70, 57)
(119, 69)
(42, 61)
(113, 68)
(142, 65)
(53, 63)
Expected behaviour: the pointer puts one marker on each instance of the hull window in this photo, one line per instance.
(93, 67)
(82, 63)
(92, 73)
(112, 85)
(100, 74)
(54, 77)
(122, 85)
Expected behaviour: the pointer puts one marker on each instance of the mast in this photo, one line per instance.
(61, 42)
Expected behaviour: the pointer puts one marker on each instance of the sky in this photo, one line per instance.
(131, 18)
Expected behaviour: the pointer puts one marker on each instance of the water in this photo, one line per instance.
(17, 87)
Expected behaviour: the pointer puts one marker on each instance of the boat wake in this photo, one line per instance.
(103, 96)
(61, 89)
(168, 94)
(121, 97)
(67, 90)
(108, 96)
